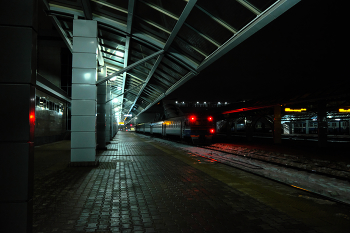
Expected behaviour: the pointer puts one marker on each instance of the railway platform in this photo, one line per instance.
(141, 185)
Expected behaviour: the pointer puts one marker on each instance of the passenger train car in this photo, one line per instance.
(195, 127)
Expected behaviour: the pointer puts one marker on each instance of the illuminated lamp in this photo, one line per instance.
(344, 110)
(32, 118)
(210, 118)
(212, 131)
(295, 110)
(192, 118)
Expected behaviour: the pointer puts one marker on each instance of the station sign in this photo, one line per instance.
(121, 123)
(128, 115)
(344, 110)
(295, 110)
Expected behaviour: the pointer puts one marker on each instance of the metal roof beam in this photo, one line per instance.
(110, 47)
(87, 9)
(111, 6)
(256, 24)
(249, 6)
(114, 62)
(189, 6)
(130, 16)
(127, 42)
(161, 10)
(204, 36)
(155, 66)
(62, 9)
(130, 67)
(220, 21)
(62, 33)
(184, 79)
(171, 15)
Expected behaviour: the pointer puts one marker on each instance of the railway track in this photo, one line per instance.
(328, 186)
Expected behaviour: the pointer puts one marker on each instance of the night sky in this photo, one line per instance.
(290, 55)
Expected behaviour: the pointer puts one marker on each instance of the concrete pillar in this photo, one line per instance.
(18, 30)
(291, 127)
(228, 128)
(101, 115)
(112, 122)
(108, 115)
(307, 122)
(249, 129)
(84, 92)
(277, 129)
(322, 124)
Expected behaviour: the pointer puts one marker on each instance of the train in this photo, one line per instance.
(197, 128)
(335, 127)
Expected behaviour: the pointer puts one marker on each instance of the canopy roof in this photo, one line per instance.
(151, 47)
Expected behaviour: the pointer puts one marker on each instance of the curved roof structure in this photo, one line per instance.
(151, 47)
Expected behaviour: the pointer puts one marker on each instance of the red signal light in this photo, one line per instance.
(192, 118)
(212, 131)
(32, 118)
(210, 118)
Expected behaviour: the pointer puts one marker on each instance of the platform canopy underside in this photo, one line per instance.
(151, 47)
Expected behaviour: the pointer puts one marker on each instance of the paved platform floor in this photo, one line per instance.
(144, 186)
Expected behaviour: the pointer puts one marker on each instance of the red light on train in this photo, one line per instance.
(192, 118)
(212, 131)
(210, 118)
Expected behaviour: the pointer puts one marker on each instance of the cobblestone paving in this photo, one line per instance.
(139, 188)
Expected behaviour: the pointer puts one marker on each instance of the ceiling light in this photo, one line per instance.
(119, 54)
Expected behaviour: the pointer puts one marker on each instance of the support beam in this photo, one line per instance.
(255, 25)
(159, 59)
(184, 79)
(181, 20)
(219, 21)
(130, 67)
(277, 127)
(62, 33)
(189, 6)
(322, 124)
(87, 9)
(249, 6)
(126, 58)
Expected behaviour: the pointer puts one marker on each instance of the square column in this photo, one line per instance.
(84, 92)
(18, 30)
(307, 125)
(108, 115)
(101, 115)
(277, 129)
(322, 124)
